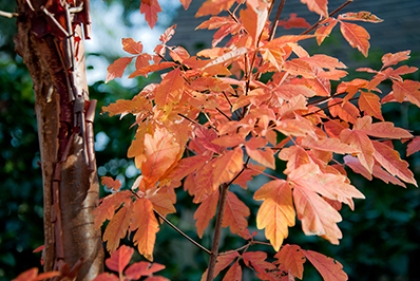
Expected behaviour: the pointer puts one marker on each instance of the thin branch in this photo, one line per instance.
(276, 20)
(189, 119)
(176, 228)
(217, 233)
(315, 25)
(221, 112)
(326, 98)
(182, 233)
(8, 15)
(326, 107)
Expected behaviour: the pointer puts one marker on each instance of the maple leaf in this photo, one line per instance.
(413, 146)
(143, 220)
(131, 46)
(408, 89)
(214, 7)
(276, 213)
(256, 261)
(356, 35)
(105, 276)
(330, 270)
(345, 110)
(324, 29)
(120, 259)
(170, 89)
(360, 16)
(205, 212)
(223, 260)
(391, 161)
(108, 205)
(32, 275)
(227, 166)
(142, 268)
(329, 144)
(117, 228)
(150, 8)
(370, 104)
(381, 129)
(254, 18)
(263, 157)
(392, 59)
(116, 69)
(316, 215)
(362, 142)
(317, 6)
(235, 216)
(234, 273)
(111, 183)
(294, 22)
(332, 186)
(292, 258)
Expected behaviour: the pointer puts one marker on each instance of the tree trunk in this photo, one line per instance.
(48, 31)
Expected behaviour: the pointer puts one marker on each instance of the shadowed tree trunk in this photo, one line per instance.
(49, 40)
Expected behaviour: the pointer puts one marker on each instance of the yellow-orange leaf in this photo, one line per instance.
(254, 18)
(150, 9)
(345, 110)
(205, 212)
(370, 104)
(227, 166)
(317, 6)
(292, 257)
(391, 161)
(235, 216)
(330, 270)
(356, 35)
(117, 228)
(317, 216)
(276, 213)
(143, 220)
(263, 157)
(162, 150)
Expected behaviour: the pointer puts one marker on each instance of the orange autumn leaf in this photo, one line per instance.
(150, 9)
(211, 7)
(330, 270)
(131, 46)
(111, 183)
(227, 166)
(170, 89)
(413, 146)
(361, 141)
(324, 29)
(117, 228)
(370, 104)
(234, 273)
(185, 3)
(106, 277)
(205, 212)
(380, 129)
(329, 144)
(408, 89)
(119, 259)
(253, 19)
(276, 213)
(144, 222)
(292, 258)
(142, 268)
(32, 275)
(391, 161)
(345, 110)
(116, 69)
(294, 22)
(356, 35)
(360, 16)
(317, 6)
(392, 59)
(316, 215)
(235, 216)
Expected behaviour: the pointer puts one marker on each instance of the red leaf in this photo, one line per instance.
(234, 273)
(119, 259)
(413, 146)
(276, 213)
(116, 69)
(223, 260)
(111, 183)
(106, 277)
(294, 22)
(292, 258)
(131, 46)
(331, 270)
(317, 6)
(185, 3)
(392, 59)
(150, 8)
(235, 216)
(138, 269)
(356, 35)
(205, 212)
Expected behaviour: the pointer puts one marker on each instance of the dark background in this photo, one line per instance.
(381, 238)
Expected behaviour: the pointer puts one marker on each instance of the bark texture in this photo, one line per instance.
(64, 116)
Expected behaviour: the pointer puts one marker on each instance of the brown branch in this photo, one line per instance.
(315, 25)
(217, 233)
(326, 107)
(221, 112)
(276, 20)
(8, 15)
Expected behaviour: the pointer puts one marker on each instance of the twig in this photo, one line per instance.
(221, 112)
(176, 228)
(8, 15)
(188, 118)
(182, 233)
(276, 20)
(315, 25)
(326, 107)
(217, 233)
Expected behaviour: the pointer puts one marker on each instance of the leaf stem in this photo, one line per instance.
(182, 233)
(315, 25)
(217, 233)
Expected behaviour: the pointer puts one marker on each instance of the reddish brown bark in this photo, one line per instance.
(45, 40)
